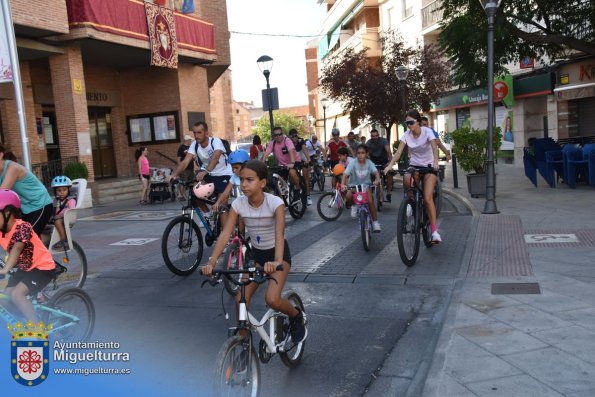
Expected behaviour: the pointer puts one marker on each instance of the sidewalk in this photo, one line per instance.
(517, 342)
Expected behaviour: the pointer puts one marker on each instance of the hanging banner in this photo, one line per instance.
(5, 67)
(162, 36)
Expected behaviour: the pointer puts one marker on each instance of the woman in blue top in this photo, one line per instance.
(360, 173)
(36, 203)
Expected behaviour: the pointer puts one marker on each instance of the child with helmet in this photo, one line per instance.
(62, 203)
(26, 252)
(236, 158)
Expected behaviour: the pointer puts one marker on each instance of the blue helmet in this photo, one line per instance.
(61, 180)
(238, 157)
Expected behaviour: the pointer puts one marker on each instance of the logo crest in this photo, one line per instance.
(29, 353)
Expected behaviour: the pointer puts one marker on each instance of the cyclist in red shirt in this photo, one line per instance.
(333, 147)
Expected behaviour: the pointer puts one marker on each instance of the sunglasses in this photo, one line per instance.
(410, 122)
(276, 135)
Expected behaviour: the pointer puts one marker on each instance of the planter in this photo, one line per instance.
(476, 184)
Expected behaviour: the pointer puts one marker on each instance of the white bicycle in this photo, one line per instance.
(237, 370)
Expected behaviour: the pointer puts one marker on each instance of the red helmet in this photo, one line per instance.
(8, 197)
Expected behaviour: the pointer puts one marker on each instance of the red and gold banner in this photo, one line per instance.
(128, 18)
(162, 36)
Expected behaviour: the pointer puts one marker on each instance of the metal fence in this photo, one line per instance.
(50, 169)
(431, 14)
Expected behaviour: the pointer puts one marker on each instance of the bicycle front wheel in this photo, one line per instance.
(75, 262)
(364, 224)
(297, 200)
(237, 372)
(408, 233)
(320, 179)
(181, 246)
(292, 357)
(72, 315)
(233, 257)
(329, 206)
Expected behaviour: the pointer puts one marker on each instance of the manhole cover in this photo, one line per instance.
(515, 288)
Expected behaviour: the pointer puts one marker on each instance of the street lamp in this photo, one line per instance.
(402, 73)
(324, 103)
(265, 64)
(490, 7)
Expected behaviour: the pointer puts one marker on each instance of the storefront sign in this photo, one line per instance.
(103, 98)
(5, 68)
(564, 79)
(527, 63)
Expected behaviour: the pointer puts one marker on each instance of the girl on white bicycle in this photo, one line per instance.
(25, 250)
(264, 217)
(421, 144)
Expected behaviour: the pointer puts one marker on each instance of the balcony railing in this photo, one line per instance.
(47, 171)
(431, 14)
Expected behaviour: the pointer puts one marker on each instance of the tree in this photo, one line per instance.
(283, 120)
(369, 88)
(544, 29)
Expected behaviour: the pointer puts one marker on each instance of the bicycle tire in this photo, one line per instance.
(186, 260)
(226, 380)
(68, 300)
(292, 358)
(232, 255)
(438, 196)
(320, 179)
(328, 208)
(76, 270)
(297, 200)
(426, 232)
(364, 225)
(407, 233)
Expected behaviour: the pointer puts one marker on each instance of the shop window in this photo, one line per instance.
(153, 128)
(463, 115)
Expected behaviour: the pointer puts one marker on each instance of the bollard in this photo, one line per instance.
(455, 178)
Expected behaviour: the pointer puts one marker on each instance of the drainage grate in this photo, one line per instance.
(515, 288)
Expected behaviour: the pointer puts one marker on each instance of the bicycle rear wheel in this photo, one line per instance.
(181, 246)
(364, 223)
(329, 206)
(320, 179)
(408, 233)
(237, 371)
(75, 275)
(297, 200)
(232, 256)
(72, 315)
(293, 356)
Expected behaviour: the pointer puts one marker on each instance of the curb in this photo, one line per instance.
(466, 202)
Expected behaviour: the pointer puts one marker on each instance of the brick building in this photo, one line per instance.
(90, 92)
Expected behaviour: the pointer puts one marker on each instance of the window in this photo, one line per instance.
(153, 128)
(407, 8)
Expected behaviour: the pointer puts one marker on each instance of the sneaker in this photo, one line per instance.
(409, 210)
(376, 227)
(297, 328)
(436, 237)
(388, 197)
(60, 245)
(354, 211)
(309, 200)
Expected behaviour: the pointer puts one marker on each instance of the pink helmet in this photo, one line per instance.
(204, 191)
(8, 197)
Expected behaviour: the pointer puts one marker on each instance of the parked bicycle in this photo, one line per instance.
(294, 199)
(182, 241)
(70, 311)
(237, 369)
(330, 204)
(410, 226)
(317, 174)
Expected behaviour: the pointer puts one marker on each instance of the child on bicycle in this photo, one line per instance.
(237, 159)
(62, 203)
(360, 173)
(264, 217)
(421, 144)
(25, 250)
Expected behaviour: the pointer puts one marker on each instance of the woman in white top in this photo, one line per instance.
(423, 152)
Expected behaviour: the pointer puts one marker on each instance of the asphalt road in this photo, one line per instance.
(371, 319)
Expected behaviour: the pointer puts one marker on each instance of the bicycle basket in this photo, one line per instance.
(360, 198)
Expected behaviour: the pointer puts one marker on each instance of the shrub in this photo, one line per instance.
(470, 147)
(76, 170)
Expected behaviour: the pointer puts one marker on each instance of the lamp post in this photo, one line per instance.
(265, 64)
(324, 103)
(490, 7)
(402, 73)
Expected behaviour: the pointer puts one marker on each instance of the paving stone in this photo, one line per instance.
(551, 302)
(574, 340)
(500, 339)
(467, 316)
(583, 317)
(446, 386)
(527, 318)
(512, 386)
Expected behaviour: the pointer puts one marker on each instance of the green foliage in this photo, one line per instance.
(470, 147)
(369, 88)
(543, 29)
(76, 170)
(283, 120)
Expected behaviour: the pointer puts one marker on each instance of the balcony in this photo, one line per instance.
(431, 14)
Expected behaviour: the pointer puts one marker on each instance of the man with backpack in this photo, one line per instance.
(284, 152)
(210, 153)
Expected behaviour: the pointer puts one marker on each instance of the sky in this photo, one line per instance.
(272, 17)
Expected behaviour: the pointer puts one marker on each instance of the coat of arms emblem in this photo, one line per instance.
(29, 353)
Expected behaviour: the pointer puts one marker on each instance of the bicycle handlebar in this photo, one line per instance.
(421, 170)
(259, 276)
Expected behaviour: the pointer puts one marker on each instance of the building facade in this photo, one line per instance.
(90, 92)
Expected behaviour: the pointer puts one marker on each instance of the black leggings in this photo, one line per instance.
(38, 219)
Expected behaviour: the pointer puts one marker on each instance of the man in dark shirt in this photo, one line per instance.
(380, 154)
(352, 143)
(188, 173)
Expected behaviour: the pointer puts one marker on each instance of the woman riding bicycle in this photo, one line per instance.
(360, 172)
(264, 217)
(25, 250)
(421, 144)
